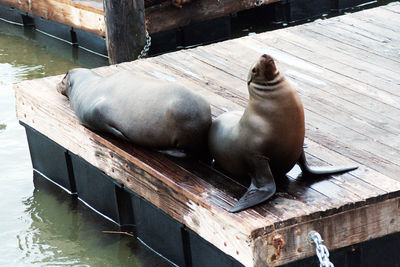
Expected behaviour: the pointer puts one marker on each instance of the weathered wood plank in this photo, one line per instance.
(394, 7)
(63, 11)
(98, 4)
(162, 16)
(340, 52)
(307, 39)
(356, 39)
(382, 32)
(166, 16)
(339, 230)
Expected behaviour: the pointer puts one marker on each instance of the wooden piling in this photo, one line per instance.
(125, 29)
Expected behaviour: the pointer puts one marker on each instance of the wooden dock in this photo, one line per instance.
(82, 22)
(161, 15)
(346, 70)
(196, 22)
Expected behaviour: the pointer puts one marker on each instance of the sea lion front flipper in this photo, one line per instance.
(262, 185)
(320, 171)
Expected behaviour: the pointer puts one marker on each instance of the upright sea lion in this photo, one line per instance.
(266, 140)
(145, 111)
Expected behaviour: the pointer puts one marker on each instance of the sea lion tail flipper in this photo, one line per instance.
(262, 185)
(307, 171)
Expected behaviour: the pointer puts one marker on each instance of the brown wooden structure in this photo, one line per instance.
(160, 15)
(346, 72)
(172, 24)
(126, 29)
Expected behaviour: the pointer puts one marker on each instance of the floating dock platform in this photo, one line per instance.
(81, 22)
(346, 70)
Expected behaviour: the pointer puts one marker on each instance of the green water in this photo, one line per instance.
(41, 225)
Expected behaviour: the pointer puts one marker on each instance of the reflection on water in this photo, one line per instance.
(63, 231)
(39, 224)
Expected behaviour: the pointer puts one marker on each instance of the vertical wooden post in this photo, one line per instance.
(125, 29)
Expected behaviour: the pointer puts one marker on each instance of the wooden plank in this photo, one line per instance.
(63, 11)
(356, 39)
(394, 7)
(340, 52)
(98, 4)
(307, 39)
(338, 230)
(164, 16)
(382, 32)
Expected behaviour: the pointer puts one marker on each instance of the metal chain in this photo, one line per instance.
(321, 250)
(146, 47)
(258, 2)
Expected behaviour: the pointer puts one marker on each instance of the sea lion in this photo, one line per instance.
(145, 111)
(266, 140)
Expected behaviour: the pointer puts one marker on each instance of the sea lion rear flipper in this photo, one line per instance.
(262, 185)
(320, 171)
(116, 132)
(174, 153)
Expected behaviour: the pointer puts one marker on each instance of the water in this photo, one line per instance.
(41, 225)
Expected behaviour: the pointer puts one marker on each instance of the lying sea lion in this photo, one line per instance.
(145, 111)
(266, 140)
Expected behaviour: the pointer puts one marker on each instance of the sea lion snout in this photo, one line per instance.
(263, 71)
(267, 67)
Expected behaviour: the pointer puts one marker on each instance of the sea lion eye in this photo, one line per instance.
(254, 70)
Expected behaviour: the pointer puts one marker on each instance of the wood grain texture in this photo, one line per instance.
(165, 16)
(160, 15)
(125, 29)
(346, 78)
(63, 11)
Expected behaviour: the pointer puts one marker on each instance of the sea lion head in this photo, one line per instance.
(72, 78)
(263, 71)
(62, 87)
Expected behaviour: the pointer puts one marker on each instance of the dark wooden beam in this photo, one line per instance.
(125, 29)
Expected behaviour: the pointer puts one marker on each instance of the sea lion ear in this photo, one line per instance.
(252, 72)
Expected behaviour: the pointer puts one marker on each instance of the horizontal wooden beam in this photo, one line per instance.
(339, 230)
(63, 11)
(159, 17)
(166, 16)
